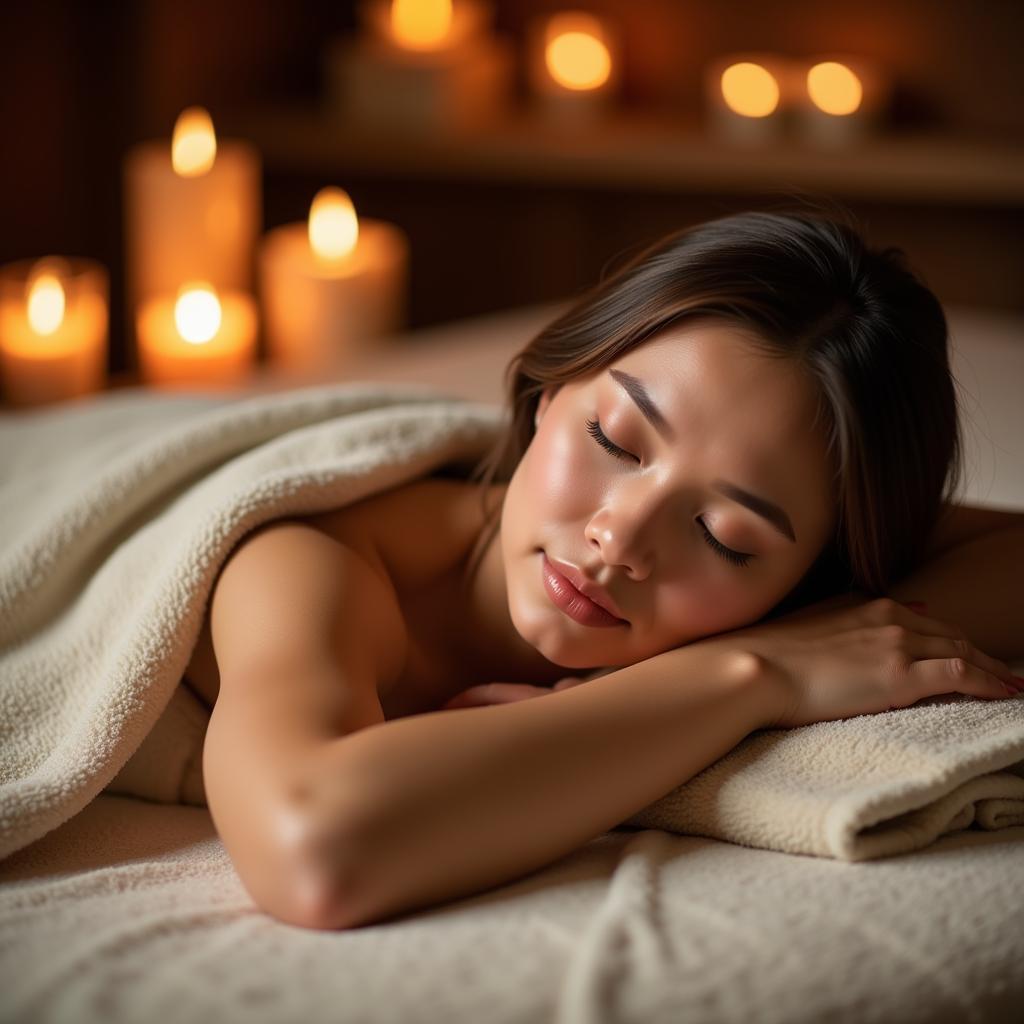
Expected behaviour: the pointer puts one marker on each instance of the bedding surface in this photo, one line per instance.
(117, 513)
(131, 911)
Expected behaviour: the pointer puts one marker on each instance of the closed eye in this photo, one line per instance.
(735, 557)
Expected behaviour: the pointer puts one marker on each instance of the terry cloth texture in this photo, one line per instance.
(117, 512)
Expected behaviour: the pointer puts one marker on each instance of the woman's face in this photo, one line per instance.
(720, 416)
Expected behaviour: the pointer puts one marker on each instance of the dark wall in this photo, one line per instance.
(84, 81)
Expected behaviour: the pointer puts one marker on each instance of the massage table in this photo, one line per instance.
(131, 911)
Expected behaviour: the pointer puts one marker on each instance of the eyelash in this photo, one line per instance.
(735, 557)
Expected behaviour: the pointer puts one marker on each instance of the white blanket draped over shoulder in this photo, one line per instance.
(117, 511)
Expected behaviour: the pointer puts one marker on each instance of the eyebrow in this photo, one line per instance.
(767, 510)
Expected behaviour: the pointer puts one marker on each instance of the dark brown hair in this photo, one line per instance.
(807, 288)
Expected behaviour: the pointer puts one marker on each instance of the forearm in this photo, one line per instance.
(976, 586)
(455, 802)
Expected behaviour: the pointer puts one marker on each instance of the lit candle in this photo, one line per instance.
(53, 329)
(749, 96)
(192, 211)
(331, 285)
(573, 64)
(200, 338)
(420, 64)
(842, 101)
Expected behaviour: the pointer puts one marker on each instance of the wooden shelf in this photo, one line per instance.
(641, 152)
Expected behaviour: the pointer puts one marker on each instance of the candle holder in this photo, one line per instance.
(842, 100)
(749, 97)
(320, 308)
(573, 66)
(455, 73)
(193, 210)
(53, 329)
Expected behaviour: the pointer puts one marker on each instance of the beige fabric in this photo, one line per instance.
(132, 912)
(118, 511)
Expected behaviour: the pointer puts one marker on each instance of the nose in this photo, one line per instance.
(621, 532)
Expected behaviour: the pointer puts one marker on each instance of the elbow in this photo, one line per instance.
(310, 881)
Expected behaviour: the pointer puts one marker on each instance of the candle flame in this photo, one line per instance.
(45, 300)
(333, 225)
(750, 89)
(421, 24)
(834, 88)
(197, 312)
(194, 145)
(575, 54)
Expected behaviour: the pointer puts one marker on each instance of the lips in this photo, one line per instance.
(560, 582)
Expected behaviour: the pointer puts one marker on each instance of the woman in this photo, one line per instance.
(720, 459)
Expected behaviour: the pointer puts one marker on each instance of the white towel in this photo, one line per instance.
(116, 513)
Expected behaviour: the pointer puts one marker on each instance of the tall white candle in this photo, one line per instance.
(193, 210)
(331, 285)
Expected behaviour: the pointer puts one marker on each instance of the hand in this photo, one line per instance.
(505, 693)
(849, 656)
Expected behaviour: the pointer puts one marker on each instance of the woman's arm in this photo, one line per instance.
(455, 802)
(977, 586)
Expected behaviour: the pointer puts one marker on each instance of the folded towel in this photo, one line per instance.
(117, 512)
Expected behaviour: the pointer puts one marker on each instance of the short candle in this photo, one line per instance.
(199, 338)
(748, 96)
(331, 285)
(573, 65)
(53, 329)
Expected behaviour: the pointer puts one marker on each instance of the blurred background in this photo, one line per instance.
(521, 196)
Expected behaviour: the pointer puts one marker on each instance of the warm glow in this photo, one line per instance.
(575, 55)
(333, 225)
(750, 89)
(194, 145)
(834, 88)
(421, 24)
(45, 303)
(197, 313)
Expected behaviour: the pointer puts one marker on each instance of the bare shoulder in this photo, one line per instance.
(415, 532)
(290, 593)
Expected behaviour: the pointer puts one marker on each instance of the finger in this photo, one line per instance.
(957, 675)
(938, 647)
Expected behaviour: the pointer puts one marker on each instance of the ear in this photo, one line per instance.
(545, 400)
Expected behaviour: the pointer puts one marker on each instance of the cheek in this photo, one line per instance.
(558, 475)
(706, 604)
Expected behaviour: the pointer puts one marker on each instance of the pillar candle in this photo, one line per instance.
(199, 338)
(193, 210)
(53, 329)
(331, 285)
